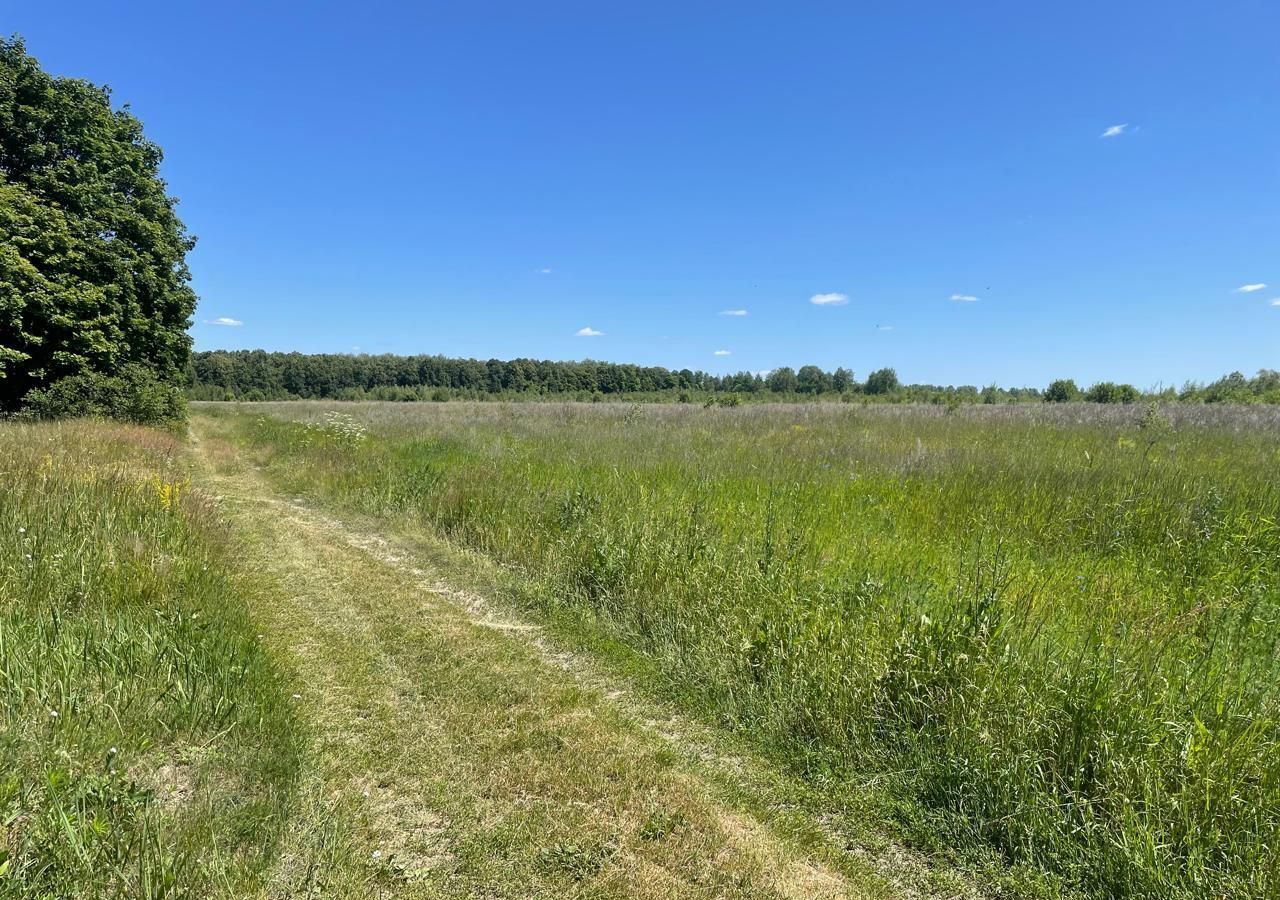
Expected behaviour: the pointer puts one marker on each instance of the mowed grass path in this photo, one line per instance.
(451, 758)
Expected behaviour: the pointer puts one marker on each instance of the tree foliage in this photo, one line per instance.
(882, 381)
(93, 277)
(1236, 388)
(812, 380)
(842, 380)
(259, 375)
(1110, 392)
(1063, 390)
(783, 380)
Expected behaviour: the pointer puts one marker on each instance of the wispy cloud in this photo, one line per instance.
(832, 299)
(1115, 130)
(224, 320)
(884, 328)
(1250, 288)
(722, 352)
(588, 332)
(734, 312)
(544, 271)
(964, 298)
(1276, 302)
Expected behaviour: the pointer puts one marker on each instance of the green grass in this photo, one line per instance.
(147, 747)
(1052, 631)
(455, 754)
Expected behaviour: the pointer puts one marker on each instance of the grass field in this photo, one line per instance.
(210, 690)
(147, 747)
(1052, 631)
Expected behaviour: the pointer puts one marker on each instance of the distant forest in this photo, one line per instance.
(260, 375)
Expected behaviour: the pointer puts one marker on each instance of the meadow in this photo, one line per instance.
(1047, 630)
(147, 745)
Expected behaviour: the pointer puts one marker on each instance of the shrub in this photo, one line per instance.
(134, 395)
(1110, 392)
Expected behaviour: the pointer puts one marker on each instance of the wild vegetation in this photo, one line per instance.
(147, 747)
(201, 698)
(1052, 630)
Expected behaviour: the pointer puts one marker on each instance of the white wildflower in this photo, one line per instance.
(338, 428)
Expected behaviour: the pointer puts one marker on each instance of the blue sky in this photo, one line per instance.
(488, 179)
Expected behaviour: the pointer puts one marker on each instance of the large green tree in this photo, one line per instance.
(882, 381)
(93, 277)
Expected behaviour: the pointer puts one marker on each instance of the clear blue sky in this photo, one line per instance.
(485, 179)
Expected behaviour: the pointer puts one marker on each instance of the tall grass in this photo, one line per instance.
(147, 748)
(1056, 629)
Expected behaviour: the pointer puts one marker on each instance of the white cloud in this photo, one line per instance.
(722, 352)
(734, 312)
(832, 299)
(964, 298)
(1276, 302)
(544, 271)
(884, 328)
(1250, 288)
(588, 332)
(224, 320)
(1115, 130)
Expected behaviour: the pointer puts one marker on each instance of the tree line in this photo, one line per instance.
(263, 375)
